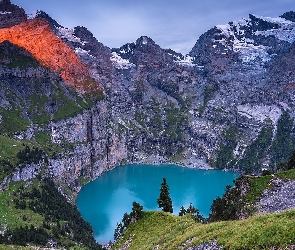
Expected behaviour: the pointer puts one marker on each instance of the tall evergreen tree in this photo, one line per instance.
(164, 200)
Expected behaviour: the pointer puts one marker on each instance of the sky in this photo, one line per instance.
(175, 24)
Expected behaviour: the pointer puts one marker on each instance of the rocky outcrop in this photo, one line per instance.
(212, 245)
(278, 197)
(37, 38)
(10, 14)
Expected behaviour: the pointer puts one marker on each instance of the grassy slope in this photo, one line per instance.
(169, 232)
(8, 247)
(257, 232)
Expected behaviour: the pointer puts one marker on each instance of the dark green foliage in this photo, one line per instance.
(164, 201)
(6, 168)
(291, 162)
(54, 207)
(175, 121)
(20, 204)
(12, 121)
(225, 154)
(28, 156)
(24, 235)
(136, 213)
(288, 165)
(228, 207)
(194, 212)
(118, 231)
(134, 216)
(126, 220)
(283, 143)
(15, 57)
(182, 211)
(266, 172)
(138, 92)
(208, 94)
(239, 199)
(254, 154)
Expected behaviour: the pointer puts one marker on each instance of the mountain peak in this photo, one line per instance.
(290, 16)
(41, 14)
(144, 40)
(36, 36)
(11, 14)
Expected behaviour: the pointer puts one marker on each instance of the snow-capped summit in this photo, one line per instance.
(255, 40)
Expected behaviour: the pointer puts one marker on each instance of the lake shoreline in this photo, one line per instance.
(141, 183)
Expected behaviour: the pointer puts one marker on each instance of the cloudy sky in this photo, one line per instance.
(175, 24)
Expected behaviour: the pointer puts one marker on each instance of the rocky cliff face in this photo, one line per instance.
(11, 14)
(37, 38)
(226, 105)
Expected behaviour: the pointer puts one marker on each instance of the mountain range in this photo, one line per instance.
(231, 96)
(228, 104)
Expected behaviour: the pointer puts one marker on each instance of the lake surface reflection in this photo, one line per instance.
(104, 201)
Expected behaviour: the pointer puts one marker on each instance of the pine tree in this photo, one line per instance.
(136, 213)
(164, 200)
(182, 211)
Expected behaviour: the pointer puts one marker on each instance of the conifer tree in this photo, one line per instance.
(182, 211)
(164, 200)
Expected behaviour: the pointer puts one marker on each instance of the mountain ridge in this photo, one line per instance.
(227, 105)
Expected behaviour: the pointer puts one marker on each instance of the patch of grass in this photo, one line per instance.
(166, 231)
(10, 147)
(13, 217)
(48, 146)
(22, 62)
(257, 186)
(13, 121)
(66, 109)
(7, 247)
(286, 175)
(85, 103)
(83, 180)
(42, 118)
(36, 108)
(175, 120)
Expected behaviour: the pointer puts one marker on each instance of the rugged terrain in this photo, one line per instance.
(228, 104)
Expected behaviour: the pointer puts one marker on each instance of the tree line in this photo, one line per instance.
(227, 207)
(164, 202)
(61, 219)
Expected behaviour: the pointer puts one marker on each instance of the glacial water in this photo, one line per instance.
(104, 201)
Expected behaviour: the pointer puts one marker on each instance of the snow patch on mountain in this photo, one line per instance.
(5, 12)
(127, 48)
(69, 35)
(285, 33)
(121, 63)
(82, 53)
(228, 31)
(186, 62)
(249, 52)
(248, 48)
(34, 14)
(260, 112)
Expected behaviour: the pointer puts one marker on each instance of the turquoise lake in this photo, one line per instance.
(104, 201)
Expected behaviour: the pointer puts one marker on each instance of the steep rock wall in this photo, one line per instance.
(37, 37)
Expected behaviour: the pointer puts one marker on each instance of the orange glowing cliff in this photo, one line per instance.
(36, 37)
